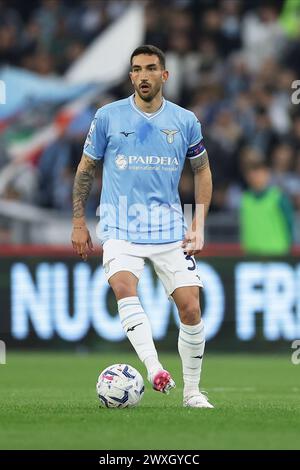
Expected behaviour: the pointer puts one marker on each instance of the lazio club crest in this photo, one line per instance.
(170, 135)
(121, 162)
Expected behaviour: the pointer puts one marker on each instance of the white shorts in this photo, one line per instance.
(173, 267)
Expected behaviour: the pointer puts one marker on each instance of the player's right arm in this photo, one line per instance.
(81, 239)
(94, 150)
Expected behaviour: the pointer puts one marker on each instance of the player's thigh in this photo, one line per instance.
(122, 268)
(176, 269)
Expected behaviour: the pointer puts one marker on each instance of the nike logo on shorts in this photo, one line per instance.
(107, 265)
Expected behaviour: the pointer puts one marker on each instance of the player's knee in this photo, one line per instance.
(190, 313)
(123, 289)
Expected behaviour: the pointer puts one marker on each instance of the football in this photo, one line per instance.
(120, 386)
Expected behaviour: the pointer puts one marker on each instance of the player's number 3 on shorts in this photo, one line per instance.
(189, 258)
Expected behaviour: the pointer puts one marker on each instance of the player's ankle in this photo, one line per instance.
(152, 365)
(190, 390)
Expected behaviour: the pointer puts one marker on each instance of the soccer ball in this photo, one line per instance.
(120, 386)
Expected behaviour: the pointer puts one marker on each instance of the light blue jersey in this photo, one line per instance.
(143, 160)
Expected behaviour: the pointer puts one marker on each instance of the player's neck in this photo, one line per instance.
(150, 107)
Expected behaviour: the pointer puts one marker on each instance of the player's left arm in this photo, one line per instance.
(194, 238)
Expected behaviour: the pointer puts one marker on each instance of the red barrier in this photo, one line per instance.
(65, 251)
(217, 249)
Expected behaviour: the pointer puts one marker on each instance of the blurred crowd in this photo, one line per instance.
(47, 36)
(231, 62)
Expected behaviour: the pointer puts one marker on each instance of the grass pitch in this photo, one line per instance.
(48, 401)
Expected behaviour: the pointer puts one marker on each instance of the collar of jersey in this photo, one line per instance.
(131, 99)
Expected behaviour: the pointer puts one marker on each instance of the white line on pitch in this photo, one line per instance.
(233, 389)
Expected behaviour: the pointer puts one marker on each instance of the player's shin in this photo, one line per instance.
(137, 327)
(191, 343)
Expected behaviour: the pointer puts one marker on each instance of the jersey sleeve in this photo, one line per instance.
(96, 140)
(196, 144)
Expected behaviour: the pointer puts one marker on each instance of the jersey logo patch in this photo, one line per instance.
(170, 135)
(126, 133)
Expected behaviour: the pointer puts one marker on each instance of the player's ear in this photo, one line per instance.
(130, 76)
(165, 75)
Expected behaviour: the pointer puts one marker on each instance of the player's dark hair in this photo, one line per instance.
(150, 50)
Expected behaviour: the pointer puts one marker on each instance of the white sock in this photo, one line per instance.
(191, 343)
(137, 327)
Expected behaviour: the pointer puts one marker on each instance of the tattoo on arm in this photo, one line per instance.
(82, 184)
(203, 183)
(199, 163)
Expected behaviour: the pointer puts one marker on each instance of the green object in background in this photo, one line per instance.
(290, 18)
(265, 223)
(48, 401)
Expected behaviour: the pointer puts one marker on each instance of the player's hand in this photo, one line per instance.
(192, 243)
(81, 241)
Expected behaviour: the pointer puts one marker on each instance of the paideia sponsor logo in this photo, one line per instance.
(122, 161)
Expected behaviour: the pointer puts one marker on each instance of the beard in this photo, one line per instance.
(148, 97)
